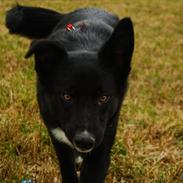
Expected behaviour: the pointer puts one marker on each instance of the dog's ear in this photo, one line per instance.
(118, 50)
(48, 54)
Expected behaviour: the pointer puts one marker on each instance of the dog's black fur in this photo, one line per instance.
(81, 81)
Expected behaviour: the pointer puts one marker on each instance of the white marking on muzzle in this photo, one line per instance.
(60, 135)
(87, 133)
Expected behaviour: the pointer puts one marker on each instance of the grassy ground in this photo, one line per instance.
(149, 144)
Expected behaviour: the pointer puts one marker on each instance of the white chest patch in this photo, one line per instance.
(78, 160)
(60, 135)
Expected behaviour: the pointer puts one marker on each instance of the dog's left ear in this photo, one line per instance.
(48, 55)
(118, 50)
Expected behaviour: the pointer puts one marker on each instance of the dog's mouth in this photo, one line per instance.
(82, 150)
(84, 142)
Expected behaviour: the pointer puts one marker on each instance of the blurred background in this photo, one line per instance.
(149, 142)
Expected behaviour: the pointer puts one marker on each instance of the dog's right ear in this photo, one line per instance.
(118, 50)
(48, 54)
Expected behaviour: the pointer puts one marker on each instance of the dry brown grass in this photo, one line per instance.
(149, 143)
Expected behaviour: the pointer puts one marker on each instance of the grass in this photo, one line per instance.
(149, 142)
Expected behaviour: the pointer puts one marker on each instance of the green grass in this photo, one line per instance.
(149, 142)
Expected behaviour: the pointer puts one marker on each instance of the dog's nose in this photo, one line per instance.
(84, 142)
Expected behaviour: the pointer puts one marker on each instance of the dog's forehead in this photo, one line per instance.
(84, 64)
(85, 72)
(82, 55)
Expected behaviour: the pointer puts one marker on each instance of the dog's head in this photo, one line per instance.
(81, 91)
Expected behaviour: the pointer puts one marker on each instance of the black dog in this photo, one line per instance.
(82, 61)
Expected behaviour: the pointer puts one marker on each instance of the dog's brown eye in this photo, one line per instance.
(67, 97)
(103, 99)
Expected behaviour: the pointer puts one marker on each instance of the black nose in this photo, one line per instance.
(84, 142)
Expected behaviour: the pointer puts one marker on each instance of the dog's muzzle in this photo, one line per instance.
(84, 142)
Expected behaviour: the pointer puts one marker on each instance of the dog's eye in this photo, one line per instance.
(103, 99)
(67, 97)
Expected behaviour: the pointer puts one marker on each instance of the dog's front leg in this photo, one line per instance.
(66, 161)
